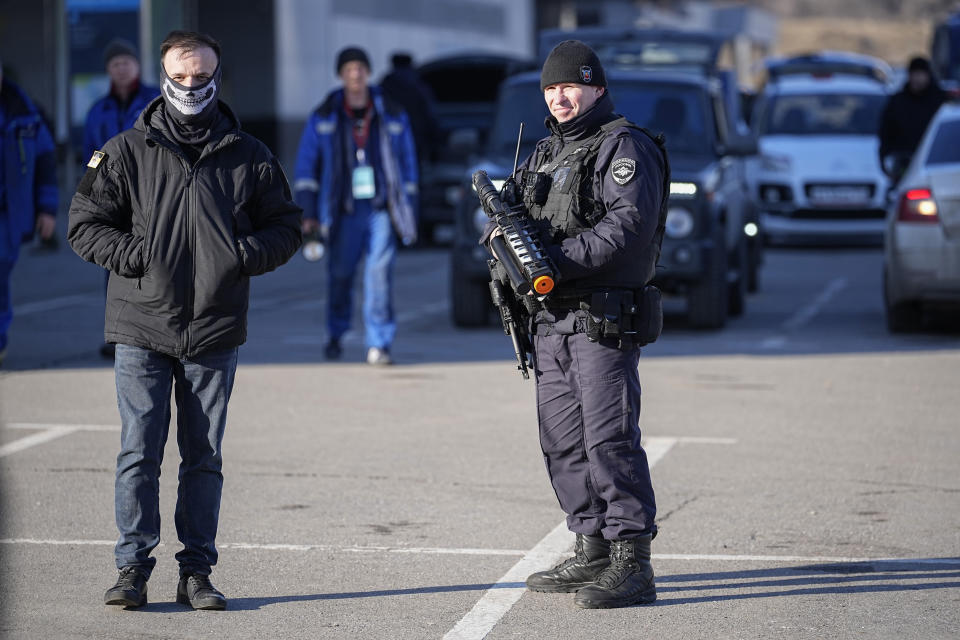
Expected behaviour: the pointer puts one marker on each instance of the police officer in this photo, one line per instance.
(598, 187)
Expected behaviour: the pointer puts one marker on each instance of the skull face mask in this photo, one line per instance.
(191, 105)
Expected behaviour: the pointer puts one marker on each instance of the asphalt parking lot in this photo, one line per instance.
(805, 463)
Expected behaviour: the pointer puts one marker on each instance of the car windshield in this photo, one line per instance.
(679, 112)
(825, 114)
(652, 54)
(945, 148)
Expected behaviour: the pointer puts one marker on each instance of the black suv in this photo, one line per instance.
(464, 88)
(704, 254)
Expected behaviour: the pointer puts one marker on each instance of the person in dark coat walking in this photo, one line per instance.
(28, 187)
(603, 220)
(182, 209)
(908, 112)
(404, 85)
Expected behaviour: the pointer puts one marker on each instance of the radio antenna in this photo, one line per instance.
(516, 156)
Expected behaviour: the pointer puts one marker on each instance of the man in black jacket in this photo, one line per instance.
(182, 209)
(909, 111)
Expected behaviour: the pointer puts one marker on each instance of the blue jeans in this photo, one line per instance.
(201, 387)
(364, 232)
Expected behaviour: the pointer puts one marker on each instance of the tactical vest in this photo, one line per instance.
(570, 208)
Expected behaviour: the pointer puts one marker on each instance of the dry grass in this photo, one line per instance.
(894, 40)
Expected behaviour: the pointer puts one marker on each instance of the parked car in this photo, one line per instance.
(704, 252)
(465, 90)
(921, 253)
(818, 176)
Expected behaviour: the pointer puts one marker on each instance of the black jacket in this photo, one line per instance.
(181, 241)
(905, 118)
(621, 249)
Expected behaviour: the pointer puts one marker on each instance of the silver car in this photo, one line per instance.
(922, 242)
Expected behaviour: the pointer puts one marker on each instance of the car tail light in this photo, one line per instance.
(917, 205)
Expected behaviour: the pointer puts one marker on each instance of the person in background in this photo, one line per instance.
(403, 84)
(28, 187)
(356, 180)
(117, 111)
(907, 114)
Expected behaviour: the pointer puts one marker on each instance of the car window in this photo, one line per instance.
(679, 112)
(464, 83)
(945, 148)
(825, 114)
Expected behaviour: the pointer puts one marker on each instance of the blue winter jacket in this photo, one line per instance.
(322, 189)
(107, 117)
(29, 168)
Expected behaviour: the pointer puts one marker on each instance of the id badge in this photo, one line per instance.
(364, 186)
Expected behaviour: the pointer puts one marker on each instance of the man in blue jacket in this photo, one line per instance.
(28, 187)
(356, 180)
(117, 111)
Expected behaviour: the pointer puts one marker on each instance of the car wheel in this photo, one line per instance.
(902, 317)
(471, 302)
(737, 295)
(707, 300)
(754, 259)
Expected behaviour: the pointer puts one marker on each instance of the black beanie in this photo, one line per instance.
(572, 61)
(920, 64)
(118, 47)
(351, 54)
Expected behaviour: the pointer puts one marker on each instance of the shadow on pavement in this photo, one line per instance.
(252, 604)
(820, 579)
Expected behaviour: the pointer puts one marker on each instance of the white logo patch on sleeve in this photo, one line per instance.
(623, 170)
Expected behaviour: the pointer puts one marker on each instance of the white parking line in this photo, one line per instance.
(34, 439)
(804, 314)
(496, 602)
(47, 433)
(694, 557)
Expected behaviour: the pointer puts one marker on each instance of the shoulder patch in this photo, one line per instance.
(96, 159)
(623, 170)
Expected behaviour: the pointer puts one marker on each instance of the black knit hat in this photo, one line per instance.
(118, 47)
(351, 54)
(920, 64)
(572, 61)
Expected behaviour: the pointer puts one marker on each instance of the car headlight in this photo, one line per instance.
(679, 222)
(775, 163)
(480, 219)
(683, 189)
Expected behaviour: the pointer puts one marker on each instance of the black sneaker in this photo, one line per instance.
(195, 590)
(130, 590)
(333, 350)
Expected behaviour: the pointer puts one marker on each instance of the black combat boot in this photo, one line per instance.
(130, 590)
(195, 590)
(627, 580)
(591, 556)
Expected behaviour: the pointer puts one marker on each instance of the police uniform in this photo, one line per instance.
(602, 215)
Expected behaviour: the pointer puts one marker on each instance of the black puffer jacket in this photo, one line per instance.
(181, 241)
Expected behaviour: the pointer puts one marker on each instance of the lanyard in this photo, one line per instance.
(361, 132)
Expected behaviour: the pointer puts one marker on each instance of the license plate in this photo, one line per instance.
(839, 195)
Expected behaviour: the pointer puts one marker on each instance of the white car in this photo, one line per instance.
(818, 175)
(922, 242)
